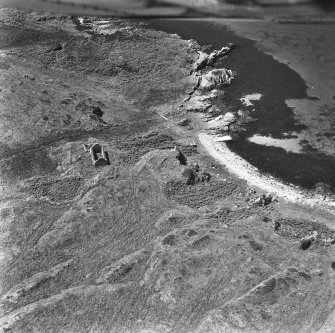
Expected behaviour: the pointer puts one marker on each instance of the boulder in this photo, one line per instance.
(222, 121)
(277, 225)
(190, 175)
(217, 123)
(307, 241)
(183, 122)
(229, 117)
(215, 93)
(264, 200)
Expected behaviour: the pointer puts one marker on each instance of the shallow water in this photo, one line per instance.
(259, 73)
(290, 145)
(247, 100)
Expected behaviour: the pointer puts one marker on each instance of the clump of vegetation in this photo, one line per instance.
(63, 189)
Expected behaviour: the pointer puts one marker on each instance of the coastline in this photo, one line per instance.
(311, 157)
(306, 51)
(241, 168)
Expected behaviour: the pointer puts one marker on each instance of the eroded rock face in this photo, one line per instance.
(216, 78)
(229, 117)
(197, 104)
(222, 121)
(209, 60)
(29, 284)
(219, 53)
(201, 61)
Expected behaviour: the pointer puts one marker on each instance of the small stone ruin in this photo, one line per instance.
(99, 155)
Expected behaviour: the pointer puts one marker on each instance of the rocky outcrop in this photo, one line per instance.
(219, 53)
(121, 267)
(197, 104)
(216, 78)
(307, 241)
(199, 98)
(83, 291)
(183, 122)
(222, 121)
(212, 95)
(21, 289)
(201, 61)
(209, 60)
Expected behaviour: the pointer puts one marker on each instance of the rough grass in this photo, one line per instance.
(26, 164)
(200, 194)
(58, 190)
(300, 228)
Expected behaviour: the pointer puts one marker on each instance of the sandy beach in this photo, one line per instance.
(246, 171)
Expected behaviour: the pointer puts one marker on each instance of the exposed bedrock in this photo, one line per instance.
(205, 59)
(216, 78)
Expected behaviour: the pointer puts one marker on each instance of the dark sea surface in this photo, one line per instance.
(277, 82)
